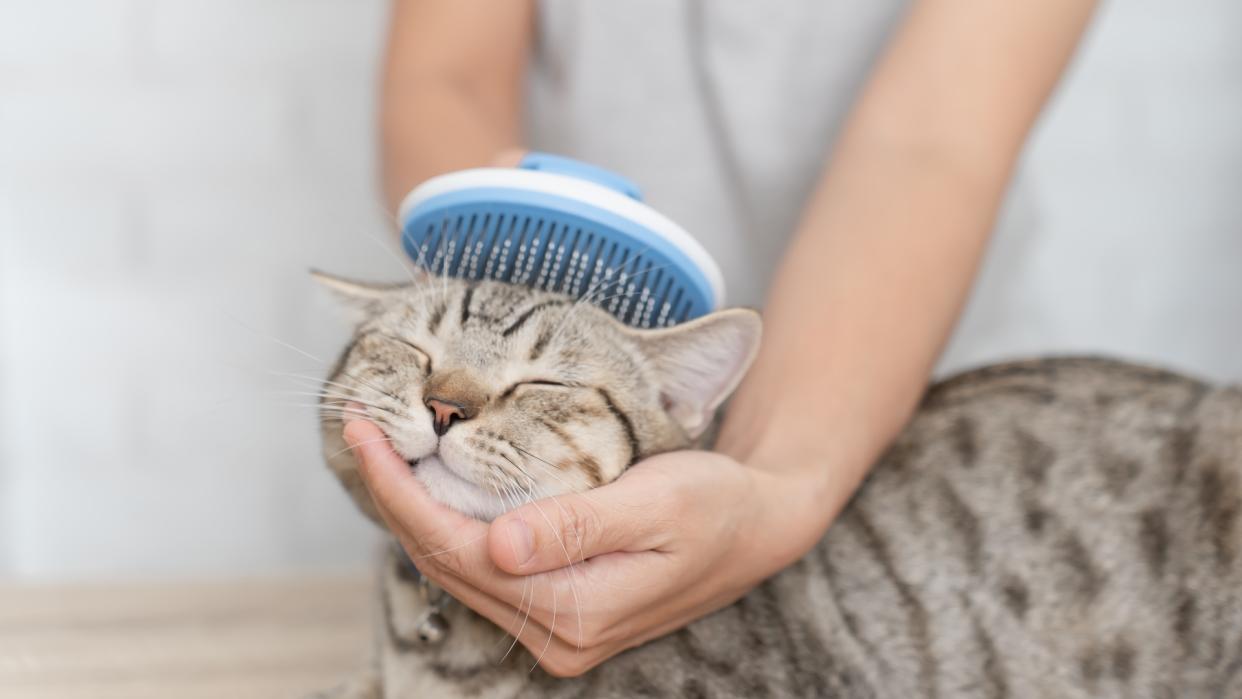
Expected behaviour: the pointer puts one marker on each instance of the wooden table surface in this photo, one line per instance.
(236, 640)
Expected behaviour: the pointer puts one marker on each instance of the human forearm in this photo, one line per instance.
(889, 242)
(432, 129)
(451, 94)
(863, 302)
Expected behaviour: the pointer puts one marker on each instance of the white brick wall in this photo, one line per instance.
(169, 168)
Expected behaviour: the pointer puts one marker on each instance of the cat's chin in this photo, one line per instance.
(453, 491)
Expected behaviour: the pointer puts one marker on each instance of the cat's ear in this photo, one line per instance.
(699, 363)
(360, 299)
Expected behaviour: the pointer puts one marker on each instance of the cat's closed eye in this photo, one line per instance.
(544, 382)
(424, 359)
(537, 384)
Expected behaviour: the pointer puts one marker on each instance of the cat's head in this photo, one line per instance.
(496, 394)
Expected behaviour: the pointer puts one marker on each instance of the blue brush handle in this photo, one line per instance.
(575, 168)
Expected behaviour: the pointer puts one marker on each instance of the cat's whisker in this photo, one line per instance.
(377, 440)
(373, 387)
(550, 468)
(304, 377)
(388, 251)
(425, 300)
(316, 406)
(275, 339)
(325, 384)
(526, 452)
(338, 413)
(450, 549)
(329, 407)
(329, 395)
(569, 561)
(529, 608)
(576, 306)
(420, 261)
(517, 611)
(379, 414)
(551, 630)
(551, 473)
(331, 400)
(514, 487)
(528, 492)
(322, 381)
(318, 381)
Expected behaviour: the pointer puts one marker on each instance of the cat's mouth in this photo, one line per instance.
(449, 487)
(433, 462)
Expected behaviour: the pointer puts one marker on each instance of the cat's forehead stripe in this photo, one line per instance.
(437, 315)
(526, 315)
(465, 305)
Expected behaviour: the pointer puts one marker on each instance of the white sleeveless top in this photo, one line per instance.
(722, 111)
(725, 112)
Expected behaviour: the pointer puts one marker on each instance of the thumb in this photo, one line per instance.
(548, 534)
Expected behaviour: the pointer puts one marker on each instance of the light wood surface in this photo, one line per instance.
(259, 639)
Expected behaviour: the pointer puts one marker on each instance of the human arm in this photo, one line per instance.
(863, 301)
(889, 243)
(451, 95)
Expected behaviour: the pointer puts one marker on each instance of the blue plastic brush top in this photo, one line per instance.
(561, 225)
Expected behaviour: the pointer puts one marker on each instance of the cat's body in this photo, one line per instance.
(1058, 528)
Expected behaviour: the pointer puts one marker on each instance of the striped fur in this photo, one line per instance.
(1056, 528)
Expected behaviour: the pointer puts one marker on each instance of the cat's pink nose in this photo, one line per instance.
(444, 413)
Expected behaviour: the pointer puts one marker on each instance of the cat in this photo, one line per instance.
(1066, 527)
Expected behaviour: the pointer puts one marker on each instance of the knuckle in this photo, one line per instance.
(449, 560)
(566, 665)
(580, 528)
(591, 634)
(679, 498)
(583, 629)
(439, 553)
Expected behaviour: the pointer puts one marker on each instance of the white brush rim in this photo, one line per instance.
(582, 190)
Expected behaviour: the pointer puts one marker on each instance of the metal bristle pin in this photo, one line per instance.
(562, 226)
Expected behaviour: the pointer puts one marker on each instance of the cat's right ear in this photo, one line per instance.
(360, 299)
(698, 363)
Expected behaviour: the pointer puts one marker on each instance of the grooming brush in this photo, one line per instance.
(564, 226)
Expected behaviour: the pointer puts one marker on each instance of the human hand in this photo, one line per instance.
(677, 537)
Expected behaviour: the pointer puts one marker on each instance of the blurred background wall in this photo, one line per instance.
(170, 168)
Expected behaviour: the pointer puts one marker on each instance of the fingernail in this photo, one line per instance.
(353, 412)
(350, 439)
(520, 540)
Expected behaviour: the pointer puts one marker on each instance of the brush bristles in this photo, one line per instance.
(559, 258)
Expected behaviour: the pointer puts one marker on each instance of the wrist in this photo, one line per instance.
(794, 510)
(809, 482)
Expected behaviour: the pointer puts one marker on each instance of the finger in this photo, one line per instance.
(552, 533)
(391, 482)
(407, 506)
(555, 641)
(552, 637)
(440, 540)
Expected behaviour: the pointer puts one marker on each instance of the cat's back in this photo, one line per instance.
(1056, 527)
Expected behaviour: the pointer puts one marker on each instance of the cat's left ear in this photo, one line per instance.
(360, 299)
(699, 363)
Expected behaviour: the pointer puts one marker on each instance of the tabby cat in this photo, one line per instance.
(1054, 528)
